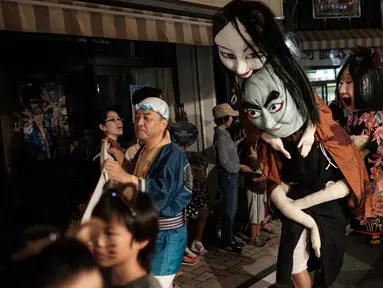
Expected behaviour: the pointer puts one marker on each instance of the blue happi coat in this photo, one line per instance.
(169, 182)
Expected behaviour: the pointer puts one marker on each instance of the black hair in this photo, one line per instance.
(38, 107)
(144, 93)
(366, 74)
(104, 113)
(57, 264)
(221, 120)
(267, 35)
(139, 215)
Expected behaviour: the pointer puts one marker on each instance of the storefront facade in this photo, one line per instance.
(327, 40)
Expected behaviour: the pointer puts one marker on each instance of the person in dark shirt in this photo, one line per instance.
(337, 113)
(126, 244)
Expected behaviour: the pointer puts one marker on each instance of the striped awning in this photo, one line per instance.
(93, 20)
(339, 39)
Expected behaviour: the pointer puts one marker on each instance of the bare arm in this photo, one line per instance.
(337, 190)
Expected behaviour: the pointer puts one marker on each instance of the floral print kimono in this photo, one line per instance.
(370, 124)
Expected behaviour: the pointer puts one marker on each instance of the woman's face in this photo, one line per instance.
(113, 126)
(38, 115)
(346, 90)
(115, 245)
(235, 53)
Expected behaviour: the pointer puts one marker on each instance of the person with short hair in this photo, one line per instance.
(161, 169)
(127, 243)
(138, 97)
(228, 167)
(66, 263)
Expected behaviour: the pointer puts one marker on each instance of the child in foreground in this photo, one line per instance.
(126, 243)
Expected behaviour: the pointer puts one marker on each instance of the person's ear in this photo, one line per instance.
(102, 127)
(141, 245)
(164, 124)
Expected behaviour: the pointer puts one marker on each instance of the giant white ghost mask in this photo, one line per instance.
(269, 105)
(235, 53)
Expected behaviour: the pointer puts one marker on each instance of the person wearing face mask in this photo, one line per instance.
(359, 85)
(228, 168)
(313, 170)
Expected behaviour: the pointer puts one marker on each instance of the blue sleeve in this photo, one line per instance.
(170, 185)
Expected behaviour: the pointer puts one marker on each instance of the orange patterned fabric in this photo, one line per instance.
(337, 143)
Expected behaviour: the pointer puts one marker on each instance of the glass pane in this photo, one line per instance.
(321, 75)
(318, 90)
(331, 92)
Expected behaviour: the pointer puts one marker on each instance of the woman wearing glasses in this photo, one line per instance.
(111, 127)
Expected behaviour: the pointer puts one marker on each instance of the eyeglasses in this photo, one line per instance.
(114, 119)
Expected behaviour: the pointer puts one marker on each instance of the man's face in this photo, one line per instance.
(148, 124)
(115, 245)
(113, 125)
(269, 106)
(234, 52)
(346, 91)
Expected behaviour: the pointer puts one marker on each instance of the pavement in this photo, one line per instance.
(255, 267)
(223, 270)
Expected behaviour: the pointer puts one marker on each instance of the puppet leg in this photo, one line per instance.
(301, 277)
(280, 200)
(337, 190)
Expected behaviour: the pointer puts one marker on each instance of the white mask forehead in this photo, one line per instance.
(259, 86)
(235, 53)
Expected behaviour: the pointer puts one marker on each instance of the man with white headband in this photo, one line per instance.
(162, 170)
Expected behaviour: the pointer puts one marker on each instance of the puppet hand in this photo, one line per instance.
(307, 140)
(116, 172)
(276, 143)
(315, 240)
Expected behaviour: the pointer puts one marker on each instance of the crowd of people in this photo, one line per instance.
(295, 160)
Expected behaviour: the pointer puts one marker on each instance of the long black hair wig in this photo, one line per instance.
(261, 25)
(365, 71)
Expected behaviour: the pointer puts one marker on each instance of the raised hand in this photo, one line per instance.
(307, 140)
(276, 143)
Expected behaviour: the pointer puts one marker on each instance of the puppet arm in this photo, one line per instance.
(337, 190)
(279, 198)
